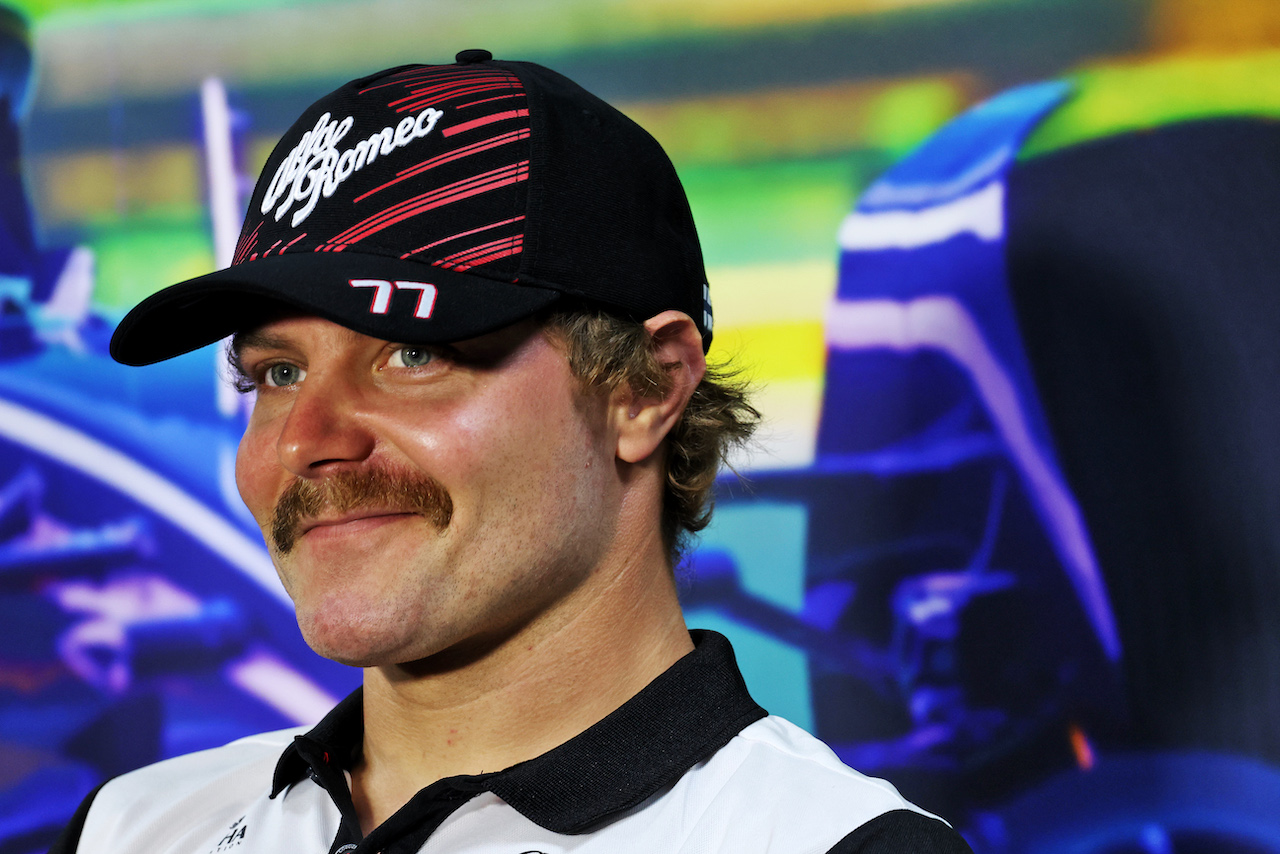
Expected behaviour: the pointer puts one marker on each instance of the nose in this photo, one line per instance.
(324, 430)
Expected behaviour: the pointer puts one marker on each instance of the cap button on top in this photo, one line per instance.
(466, 57)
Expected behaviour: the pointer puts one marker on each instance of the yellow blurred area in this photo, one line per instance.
(630, 18)
(762, 294)
(100, 185)
(1123, 97)
(757, 13)
(800, 122)
(772, 351)
(769, 318)
(769, 323)
(790, 409)
(1220, 25)
(166, 46)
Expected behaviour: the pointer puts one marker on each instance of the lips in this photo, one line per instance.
(372, 517)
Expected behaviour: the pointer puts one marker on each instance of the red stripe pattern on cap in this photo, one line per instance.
(376, 170)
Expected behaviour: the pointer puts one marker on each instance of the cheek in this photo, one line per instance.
(534, 434)
(255, 473)
(512, 458)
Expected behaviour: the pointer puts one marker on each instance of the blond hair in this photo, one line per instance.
(607, 352)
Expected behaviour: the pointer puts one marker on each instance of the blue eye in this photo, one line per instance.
(411, 357)
(283, 374)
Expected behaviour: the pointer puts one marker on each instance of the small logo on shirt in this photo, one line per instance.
(234, 836)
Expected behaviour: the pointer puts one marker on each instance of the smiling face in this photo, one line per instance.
(420, 499)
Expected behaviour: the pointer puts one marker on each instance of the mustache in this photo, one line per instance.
(376, 488)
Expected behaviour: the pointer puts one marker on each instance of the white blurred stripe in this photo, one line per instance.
(67, 445)
(224, 204)
(284, 689)
(943, 324)
(980, 213)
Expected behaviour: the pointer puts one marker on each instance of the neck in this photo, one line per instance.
(479, 711)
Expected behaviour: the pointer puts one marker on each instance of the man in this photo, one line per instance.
(472, 303)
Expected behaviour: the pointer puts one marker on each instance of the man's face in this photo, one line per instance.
(419, 499)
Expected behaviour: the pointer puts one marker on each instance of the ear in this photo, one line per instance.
(642, 422)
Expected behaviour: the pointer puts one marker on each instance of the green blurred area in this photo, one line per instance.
(38, 10)
(1121, 99)
(771, 168)
(134, 261)
(904, 116)
(755, 213)
(769, 201)
(776, 211)
(767, 212)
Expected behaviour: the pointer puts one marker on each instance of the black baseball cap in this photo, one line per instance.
(432, 203)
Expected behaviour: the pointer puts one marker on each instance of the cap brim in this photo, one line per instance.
(416, 304)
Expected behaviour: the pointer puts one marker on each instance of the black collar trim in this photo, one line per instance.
(336, 738)
(678, 720)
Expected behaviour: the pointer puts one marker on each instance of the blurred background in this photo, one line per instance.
(1000, 269)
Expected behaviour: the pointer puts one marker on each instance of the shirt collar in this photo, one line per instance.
(678, 720)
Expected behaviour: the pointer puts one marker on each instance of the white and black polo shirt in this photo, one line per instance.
(690, 764)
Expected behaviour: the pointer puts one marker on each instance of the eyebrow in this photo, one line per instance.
(258, 339)
(261, 340)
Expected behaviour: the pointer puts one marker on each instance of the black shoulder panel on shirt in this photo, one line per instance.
(901, 831)
(69, 839)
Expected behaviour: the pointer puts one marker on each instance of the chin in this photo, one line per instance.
(356, 644)
(357, 653)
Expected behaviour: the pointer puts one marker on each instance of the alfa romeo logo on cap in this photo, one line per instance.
(315, 168)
